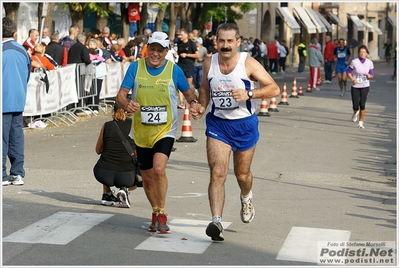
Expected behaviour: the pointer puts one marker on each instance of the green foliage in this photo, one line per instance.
(86, 7)
(219, 11)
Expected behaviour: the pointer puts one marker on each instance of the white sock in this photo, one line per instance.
(216, 219)
(246, 197)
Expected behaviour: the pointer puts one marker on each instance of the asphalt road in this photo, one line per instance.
(317, 177)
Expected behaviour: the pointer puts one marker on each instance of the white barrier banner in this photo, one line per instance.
(112, 81)
(33, 95)
(49, 101)
(125, 66)
(67, 85)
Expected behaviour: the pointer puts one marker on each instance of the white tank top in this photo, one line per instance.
(222, 104)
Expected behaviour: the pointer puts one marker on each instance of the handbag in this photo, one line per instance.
(138, 180)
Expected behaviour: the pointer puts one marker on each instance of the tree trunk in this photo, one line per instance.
(77, 18)
(159, 20)
(11, 10)
(48, 20)
(125, 22)
(143, 18)
(101, 22)
(172, 21)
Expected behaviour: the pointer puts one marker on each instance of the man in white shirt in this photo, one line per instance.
(263, 51)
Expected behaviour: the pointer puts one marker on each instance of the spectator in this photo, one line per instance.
(38, 56)
(32, 40)
(244, 44)
(46, 35)
(79, 53)
(272, 52)
(147, 32)
(122, 42)
(106, 36)
(115, 166)
(315, 60)
(302, 57)
(16, 66)
(197, 77)
(115, 48)
(101, 69)
(154, 139)
(57, 51)
(328, 60)
(114, 38)
(187, 51)
(69, 40)
(263, 51)
(388, 51)
(283, 53)
(256, 52)
(208, 40)
(102, 51)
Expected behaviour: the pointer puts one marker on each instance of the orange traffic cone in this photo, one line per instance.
(284, 98)
(309, 88)
(264, 110)
(273, 105)
(294, 92)
(186, 130)
(300, 92)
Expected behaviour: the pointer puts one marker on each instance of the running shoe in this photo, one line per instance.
(153, 227)
(162, 227)
(109, 200)
(124, 198)
(5, 183)
(342, 93)
(360, 124)
(355, 116)
(215, 231)
(247, 209)
(16, 180)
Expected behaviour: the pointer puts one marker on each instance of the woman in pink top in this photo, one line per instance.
(360, 71)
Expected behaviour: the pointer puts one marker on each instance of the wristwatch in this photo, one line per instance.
(250, 94)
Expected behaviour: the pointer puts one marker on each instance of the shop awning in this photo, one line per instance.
(378, 30)
(285, 13)
(301, 14)
(316, 20)
(336, 20)
(392, 20)
(369, 27)
(325, 22)
(356, 21)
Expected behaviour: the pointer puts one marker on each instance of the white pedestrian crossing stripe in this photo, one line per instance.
(187, 236)
(59, 228)
(301, 243)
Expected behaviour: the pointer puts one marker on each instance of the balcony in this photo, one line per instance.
(328, 5)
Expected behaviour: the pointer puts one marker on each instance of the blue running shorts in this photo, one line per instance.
(341, 68)
(241, 134)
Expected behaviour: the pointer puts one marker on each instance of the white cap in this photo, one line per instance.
(199, 40)
(159, 38)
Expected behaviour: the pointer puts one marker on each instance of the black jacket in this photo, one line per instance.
(78, 53)
(56, 51)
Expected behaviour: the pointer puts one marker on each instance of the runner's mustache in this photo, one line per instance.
(225, 49)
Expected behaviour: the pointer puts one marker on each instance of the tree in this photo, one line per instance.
(11, 10)
(77, 11)
(48, 21)
(219, 12)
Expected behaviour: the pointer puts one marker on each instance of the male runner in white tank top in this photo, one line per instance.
(231, 83)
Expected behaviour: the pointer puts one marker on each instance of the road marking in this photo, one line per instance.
(59, 228)
(301, 243)
(189, 195)
(187, 236)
